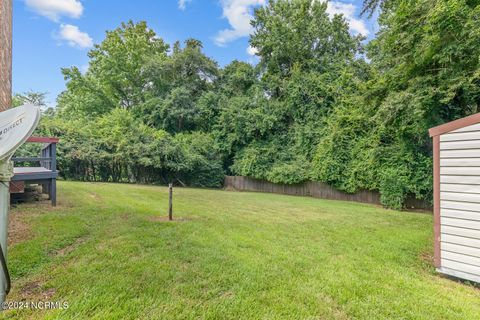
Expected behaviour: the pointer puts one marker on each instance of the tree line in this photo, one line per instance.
(321, 104)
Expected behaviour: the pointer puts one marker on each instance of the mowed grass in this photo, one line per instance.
(231, 255)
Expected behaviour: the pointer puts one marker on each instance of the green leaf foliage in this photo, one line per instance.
(321, 104)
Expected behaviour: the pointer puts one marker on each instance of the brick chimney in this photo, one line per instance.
(5, 54)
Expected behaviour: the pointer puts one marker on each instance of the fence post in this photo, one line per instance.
(170, 204)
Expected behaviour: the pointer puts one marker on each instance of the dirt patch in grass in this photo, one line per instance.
(62, 204)
(18, 230)
(427, 257)
(125, 216)
(40, 207)
(165, 219)
(227, 294)
(95, 196)
(70, 248)
(35, 290)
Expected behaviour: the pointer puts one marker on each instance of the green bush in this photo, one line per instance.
(117, 147)
(393, 191)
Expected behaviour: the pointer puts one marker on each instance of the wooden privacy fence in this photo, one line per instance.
(311, 189)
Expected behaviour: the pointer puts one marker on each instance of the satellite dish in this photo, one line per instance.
(16, 126)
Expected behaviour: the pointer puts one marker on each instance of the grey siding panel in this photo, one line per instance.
(460, 136)
(453, 187)
(459, 214)
(459, 274)
(460, 171)
(463, 241)
(470, 153)
(461, 258)
(460, 223)
(462, 232)
(464, 206)
(460, 162)
(460, 145)
(469, 251)
(460, 203)
(460, 179)
(461, 197)
(459, 266)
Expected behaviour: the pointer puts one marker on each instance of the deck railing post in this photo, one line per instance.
(53, 155)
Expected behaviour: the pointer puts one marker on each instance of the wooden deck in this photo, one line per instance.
(45, 175)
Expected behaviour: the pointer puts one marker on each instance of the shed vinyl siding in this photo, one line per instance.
(460, 202)
(459, 214)
(473, 226)
(459, 145)
(472, 153)
(462, 267)
(462, 206)
(460, 162)
(474, 261)
(460, 231)
(459, 274)
(460, 179)
(459, 136)
(468, 251)
(454, 187)
(460, 197)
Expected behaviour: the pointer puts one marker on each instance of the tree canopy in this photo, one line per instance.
(321, 103)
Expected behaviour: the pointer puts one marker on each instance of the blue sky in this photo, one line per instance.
(51, 34)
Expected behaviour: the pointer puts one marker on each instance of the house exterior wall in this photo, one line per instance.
(458, 194)
(5, 54)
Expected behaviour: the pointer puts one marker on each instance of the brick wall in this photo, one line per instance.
(5, 54)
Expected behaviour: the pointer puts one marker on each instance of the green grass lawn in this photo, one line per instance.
(231, 256)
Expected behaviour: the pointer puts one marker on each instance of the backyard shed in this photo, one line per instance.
(456, 194)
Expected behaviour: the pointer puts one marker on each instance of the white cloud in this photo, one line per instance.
(54, 9)
(75, 37)
(182, 4)
(238, 13)
(84, 68)
(252, 51)
(348, 10)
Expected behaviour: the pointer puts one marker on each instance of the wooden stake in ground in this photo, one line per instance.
(170, 205)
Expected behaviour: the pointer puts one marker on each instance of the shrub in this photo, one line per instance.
(393, 191)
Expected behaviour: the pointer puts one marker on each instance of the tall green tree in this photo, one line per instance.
(300, 36)
(308, 63)
(116, 75)
(30, 97)
(178, 82)
(425, 62)
(119, 120)
(311, 109)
